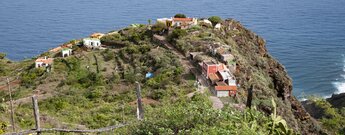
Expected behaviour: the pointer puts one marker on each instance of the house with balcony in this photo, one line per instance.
(66, 52)
(44, 62)
(91, 43)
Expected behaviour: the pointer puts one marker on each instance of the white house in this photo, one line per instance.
(91, 42)
(66, 52)
(43, 62)
(182, 23)
(218, 26)
(166, 21)
(205, 21)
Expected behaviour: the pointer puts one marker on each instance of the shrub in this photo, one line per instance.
(112, 39)
(180, 16)
(3, 127)
(158, 27)
(195, 28)
(97, 92)
(28, 79)
(215, 20)
(136, 34)
(2, 55)
(177, 33)
(144, 48)
(3, 107)
(3, 69)
(108, 55)
(54, 104)
(132, 49)
(196, 116)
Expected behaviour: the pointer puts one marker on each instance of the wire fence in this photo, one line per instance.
(38, 129)
(47, 130)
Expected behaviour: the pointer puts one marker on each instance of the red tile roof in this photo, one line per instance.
(96, 35)
(213, 77)
(55, 49)
(224, 86)
(47, 61)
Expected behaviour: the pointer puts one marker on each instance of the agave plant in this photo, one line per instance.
(278, 124)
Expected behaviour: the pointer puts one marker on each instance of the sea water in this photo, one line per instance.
(307, 36)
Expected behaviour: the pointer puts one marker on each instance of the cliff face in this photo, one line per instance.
(337, 100)
(257, 68)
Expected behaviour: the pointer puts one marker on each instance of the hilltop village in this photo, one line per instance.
(216, 63)
(192, 76)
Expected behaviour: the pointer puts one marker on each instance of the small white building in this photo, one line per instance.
(182, 23)
(227, 77)
(205, 22)
(66, 52)
(225, 83)
(43, 62)
(166, 21)
(218, 26)
(92, 42)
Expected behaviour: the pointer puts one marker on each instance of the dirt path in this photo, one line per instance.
(12, 83)
(217, 103)
(25, 100)
(188, 65)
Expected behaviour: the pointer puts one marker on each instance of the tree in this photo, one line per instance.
(2, 55)
(180, 16)
(158, 27)
(149, 21)
(177, 33)
(215, 20)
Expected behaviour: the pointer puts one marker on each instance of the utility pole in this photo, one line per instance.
(11, 105)
(36, 114)
(140, 110)
(250, 96)
(123, 112)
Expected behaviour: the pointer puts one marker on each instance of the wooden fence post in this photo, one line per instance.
(11, 105)
(140, 111)
(36, 114)
(123, 111)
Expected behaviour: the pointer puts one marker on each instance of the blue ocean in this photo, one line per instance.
(307, 36)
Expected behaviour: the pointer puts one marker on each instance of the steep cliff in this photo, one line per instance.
(258, 68)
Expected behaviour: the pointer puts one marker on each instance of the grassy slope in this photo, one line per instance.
(75, 96)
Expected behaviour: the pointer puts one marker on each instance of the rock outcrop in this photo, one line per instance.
(337, 100)
(257, 67)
